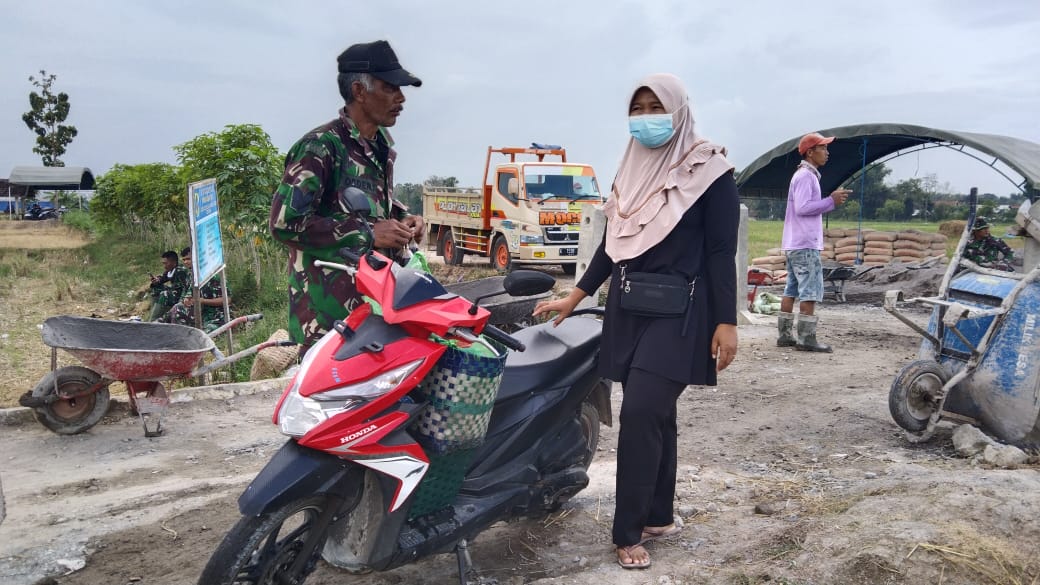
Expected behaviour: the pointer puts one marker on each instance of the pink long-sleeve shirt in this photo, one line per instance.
(803, 223)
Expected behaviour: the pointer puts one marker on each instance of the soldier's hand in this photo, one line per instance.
(840, 195)
(390, 233)
(416, 224)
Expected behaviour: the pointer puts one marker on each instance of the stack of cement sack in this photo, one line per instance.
(877, 248)
(773, 260)
(872, 247)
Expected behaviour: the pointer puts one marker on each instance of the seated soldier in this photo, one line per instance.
(211, 298)
(987, 251)
(168, 288)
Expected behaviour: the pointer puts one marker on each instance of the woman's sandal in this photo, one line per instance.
(632, 563)
(652, 533)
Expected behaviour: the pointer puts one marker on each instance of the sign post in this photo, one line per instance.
(206, 244)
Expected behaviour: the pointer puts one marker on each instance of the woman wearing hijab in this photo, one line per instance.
(673, 213)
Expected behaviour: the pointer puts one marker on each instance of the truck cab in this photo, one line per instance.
(527, 211)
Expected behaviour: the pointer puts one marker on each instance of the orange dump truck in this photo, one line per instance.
(526, 212)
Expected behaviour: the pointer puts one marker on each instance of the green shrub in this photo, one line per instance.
(80, 220)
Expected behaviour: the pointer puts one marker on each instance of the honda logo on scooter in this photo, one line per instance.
(357, 434)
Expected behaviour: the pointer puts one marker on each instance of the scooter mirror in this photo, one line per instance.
(522, 283)
(356, 201)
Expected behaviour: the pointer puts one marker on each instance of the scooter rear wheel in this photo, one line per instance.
(259, 550)
(914, 394)
(589, 419)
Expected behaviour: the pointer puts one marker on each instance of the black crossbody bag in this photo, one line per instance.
(649, 294)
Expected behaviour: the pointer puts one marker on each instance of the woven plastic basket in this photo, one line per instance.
(461, 390)
(272, 361)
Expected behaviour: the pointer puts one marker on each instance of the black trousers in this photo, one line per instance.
(647, 452)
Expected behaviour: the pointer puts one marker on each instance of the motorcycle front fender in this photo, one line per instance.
(296, 472)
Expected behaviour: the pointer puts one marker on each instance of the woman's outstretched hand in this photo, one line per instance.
(562, 307)
(724, 345)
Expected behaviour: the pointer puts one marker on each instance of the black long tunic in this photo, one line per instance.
(703, 245)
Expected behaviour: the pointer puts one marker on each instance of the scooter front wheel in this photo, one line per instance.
(261, 550)
(914, 395)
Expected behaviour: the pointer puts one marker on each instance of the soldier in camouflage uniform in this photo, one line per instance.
(987, 251)
(168, 288)
(308, 212)
(211, 297)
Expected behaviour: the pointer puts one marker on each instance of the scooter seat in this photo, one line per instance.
(552, 356)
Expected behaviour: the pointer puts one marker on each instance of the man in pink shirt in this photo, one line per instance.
(802, 242)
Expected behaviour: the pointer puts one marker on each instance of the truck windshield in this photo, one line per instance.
(559, 183)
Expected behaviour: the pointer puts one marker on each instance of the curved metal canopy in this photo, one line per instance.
(71, 178)
(768, 176)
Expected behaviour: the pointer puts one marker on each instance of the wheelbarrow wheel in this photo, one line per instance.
(915, 394)
(74, 415)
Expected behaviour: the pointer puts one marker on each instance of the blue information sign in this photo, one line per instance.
(207, 247)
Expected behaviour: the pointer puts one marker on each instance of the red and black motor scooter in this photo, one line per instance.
(351, 484)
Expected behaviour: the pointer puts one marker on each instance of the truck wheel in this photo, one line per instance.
(569, 269)
(447, 249)
(912, 399)
(501, 260)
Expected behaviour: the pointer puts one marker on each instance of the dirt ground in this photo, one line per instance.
(791, 471)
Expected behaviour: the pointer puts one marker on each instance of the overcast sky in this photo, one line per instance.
(145, 76)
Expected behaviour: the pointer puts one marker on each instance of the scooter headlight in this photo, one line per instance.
(299, 414)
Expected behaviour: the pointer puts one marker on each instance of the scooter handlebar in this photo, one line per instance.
(503, 338)
(349, 255)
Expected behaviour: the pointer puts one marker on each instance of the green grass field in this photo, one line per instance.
(763, 235)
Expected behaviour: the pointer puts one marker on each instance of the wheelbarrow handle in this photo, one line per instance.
(223, 361)
(235, 323)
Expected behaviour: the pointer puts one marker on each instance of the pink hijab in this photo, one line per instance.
(655, 186)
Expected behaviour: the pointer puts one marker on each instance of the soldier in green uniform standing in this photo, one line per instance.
(211, 297)
(168, 288)
(308, 212)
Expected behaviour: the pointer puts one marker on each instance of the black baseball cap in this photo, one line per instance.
(377, 59)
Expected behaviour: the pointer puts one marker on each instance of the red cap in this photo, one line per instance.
(810, 140)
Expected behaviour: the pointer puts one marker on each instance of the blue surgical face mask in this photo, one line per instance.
(651, 130)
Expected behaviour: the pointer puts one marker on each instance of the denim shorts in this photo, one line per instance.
(804, 275)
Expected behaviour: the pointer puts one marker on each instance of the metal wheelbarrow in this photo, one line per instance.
(72, 399)
(835, 275)
(979, 360)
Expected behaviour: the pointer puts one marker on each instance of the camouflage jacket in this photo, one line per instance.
(987, 250)
(212, 317)
(309, 216)
(212, 290)
(170, 288)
